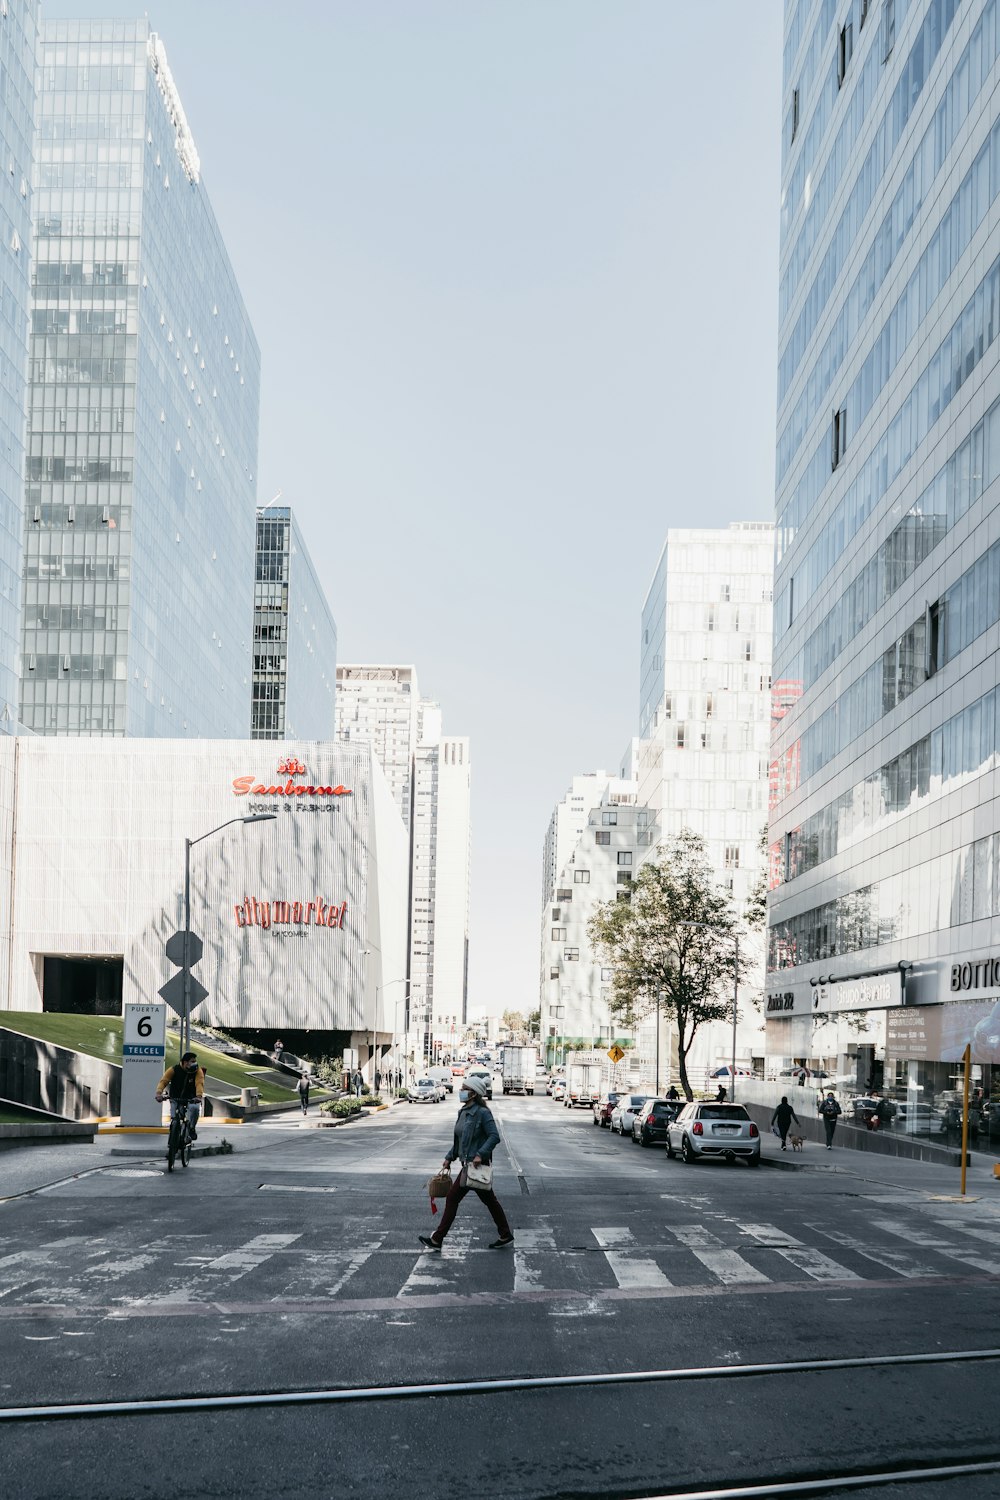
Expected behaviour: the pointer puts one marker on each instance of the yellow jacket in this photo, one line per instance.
(199, 1081)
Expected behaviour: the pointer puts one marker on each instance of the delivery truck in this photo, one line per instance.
(586, 1081)
(518, 1069)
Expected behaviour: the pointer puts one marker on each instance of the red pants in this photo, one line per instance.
(454, 1198)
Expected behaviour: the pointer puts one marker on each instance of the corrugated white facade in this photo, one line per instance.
(303, 919)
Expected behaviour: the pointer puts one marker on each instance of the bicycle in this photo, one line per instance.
(179, 1138)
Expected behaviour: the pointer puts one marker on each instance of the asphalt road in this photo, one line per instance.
(295, 1267)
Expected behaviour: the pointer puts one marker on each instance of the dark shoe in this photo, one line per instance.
(499, 1244)
(430, 1242)
(194, 1135)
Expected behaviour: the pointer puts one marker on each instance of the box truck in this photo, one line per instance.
(518, 1069)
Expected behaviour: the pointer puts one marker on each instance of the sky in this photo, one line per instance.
(512, 266)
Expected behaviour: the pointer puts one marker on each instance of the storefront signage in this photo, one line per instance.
(941, 1033)
(978, 974)
(252, 912)
(144, 1041)
(800, 996)
(249, 786)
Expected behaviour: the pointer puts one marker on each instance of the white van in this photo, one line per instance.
(443, 1077)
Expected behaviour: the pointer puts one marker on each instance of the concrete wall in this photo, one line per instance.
(52, 1078)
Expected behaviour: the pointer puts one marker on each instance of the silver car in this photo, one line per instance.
(720, 1130)
(426, 1091)
(625, 1111)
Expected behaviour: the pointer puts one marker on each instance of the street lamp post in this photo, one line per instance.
(380, 989)
(714, 927)
(188, 846)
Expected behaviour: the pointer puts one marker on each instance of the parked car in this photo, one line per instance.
(720, 1130)
(603, 1107)
(625, 1111)
(650, 1124)
(559, 1088)
(923, 1119)
(426, 1091)
(552, 1080)
(458, 1070)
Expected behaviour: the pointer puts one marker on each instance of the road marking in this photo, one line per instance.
(895, 1260)
(425, 1275)
(930, 1242)
(728, 1265)
(527, 1275)
(815, 1264)
(631, 1271)
(254, 1253)
(280, 1187)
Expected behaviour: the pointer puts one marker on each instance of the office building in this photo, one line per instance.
(439, 891)
(377, 705)
(17, 99)
(294, 636)
(885, 831)
(566, 825)
(576, 980)
(143, 410)
(704, 717)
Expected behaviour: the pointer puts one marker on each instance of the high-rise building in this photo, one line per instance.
(885, 831)
(143, 410)
(568, 820)
(17, 99)
(705, 703)
(575, 991)
(294, 636)
(378, 705)
(439, 889)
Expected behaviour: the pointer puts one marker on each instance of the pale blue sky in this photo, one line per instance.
(512, 265)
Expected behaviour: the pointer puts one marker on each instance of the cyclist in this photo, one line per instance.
(184, 1084)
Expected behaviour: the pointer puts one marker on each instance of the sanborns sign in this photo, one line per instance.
(249, 786)
(252, 912)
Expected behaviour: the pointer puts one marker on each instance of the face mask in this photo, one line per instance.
(464, 1095)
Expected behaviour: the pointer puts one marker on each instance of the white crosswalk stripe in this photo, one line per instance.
(934, 1242)
(728, 1265)
(815, 1264)
(528, 1268)
(632, 1272)
(895, 1260)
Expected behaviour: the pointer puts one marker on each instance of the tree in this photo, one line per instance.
(653, 953)
(514, 1022)
(535, 1023)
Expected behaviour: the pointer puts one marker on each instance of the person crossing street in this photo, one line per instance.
(476, 1137)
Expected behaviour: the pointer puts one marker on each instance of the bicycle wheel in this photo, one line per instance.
(185, 1144)
(173, 1143)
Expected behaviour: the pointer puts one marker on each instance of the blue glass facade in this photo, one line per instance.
(18, 25)
(143, 411)
(294, 634)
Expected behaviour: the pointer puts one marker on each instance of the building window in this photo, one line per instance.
(581, 877)
(571, 955)
(845, 46)
(564, 895)
(624, 856)
(863, 15)
(888, 28)
(748, 650)
(680, 737)
(610, 819)
(624, 877)
(709, 705)
(554, 973)
(556, 913)
(558, 934)
(607, 975)
(795, 115)
(668, 706)
(839, 436)
(710, 619)
(602, 838)
(732, 856)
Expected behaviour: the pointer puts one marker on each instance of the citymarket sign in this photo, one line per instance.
(252, 912)
(249, 786)
(801, 997)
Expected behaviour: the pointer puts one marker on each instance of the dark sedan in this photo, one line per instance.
(650, 1125)
(603, 1107)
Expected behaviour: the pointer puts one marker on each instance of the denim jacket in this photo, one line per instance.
(476, 1133)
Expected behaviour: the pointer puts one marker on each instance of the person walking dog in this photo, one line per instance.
(476, 1137)
(783, 1116)
(831, 1111)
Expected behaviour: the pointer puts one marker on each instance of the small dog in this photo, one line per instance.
(797, 1141)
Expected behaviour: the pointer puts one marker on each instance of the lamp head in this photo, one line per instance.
(260, 818)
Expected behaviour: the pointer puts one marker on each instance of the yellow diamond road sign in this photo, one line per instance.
(616, 1053)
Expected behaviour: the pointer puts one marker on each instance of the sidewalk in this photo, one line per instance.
(886, 1171)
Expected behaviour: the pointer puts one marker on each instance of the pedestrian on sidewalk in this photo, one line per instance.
(378, 1080)
(356, 1082)
(476, 1136)
(831, 1111)
(303, 1088)
(783, 1116)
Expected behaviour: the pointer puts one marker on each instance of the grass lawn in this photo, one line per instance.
(101, 1036)
(11, 1115)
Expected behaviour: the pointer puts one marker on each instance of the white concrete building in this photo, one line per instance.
(439, 917)
(566, 825)
(705, 711)
(303, 919)
(575, 986)
(378, 705)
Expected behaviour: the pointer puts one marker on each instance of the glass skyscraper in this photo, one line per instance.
(885, 861)
(294, 636)
(18, 23)
(140, 507)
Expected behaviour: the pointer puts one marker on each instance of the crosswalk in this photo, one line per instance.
(377, 1262)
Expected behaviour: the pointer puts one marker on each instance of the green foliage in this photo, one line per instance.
(654, 953)
(341, 1108)
(370, 1100)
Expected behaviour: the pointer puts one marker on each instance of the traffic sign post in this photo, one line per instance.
(616, 1053)
(144, 1048)
(173, 993)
